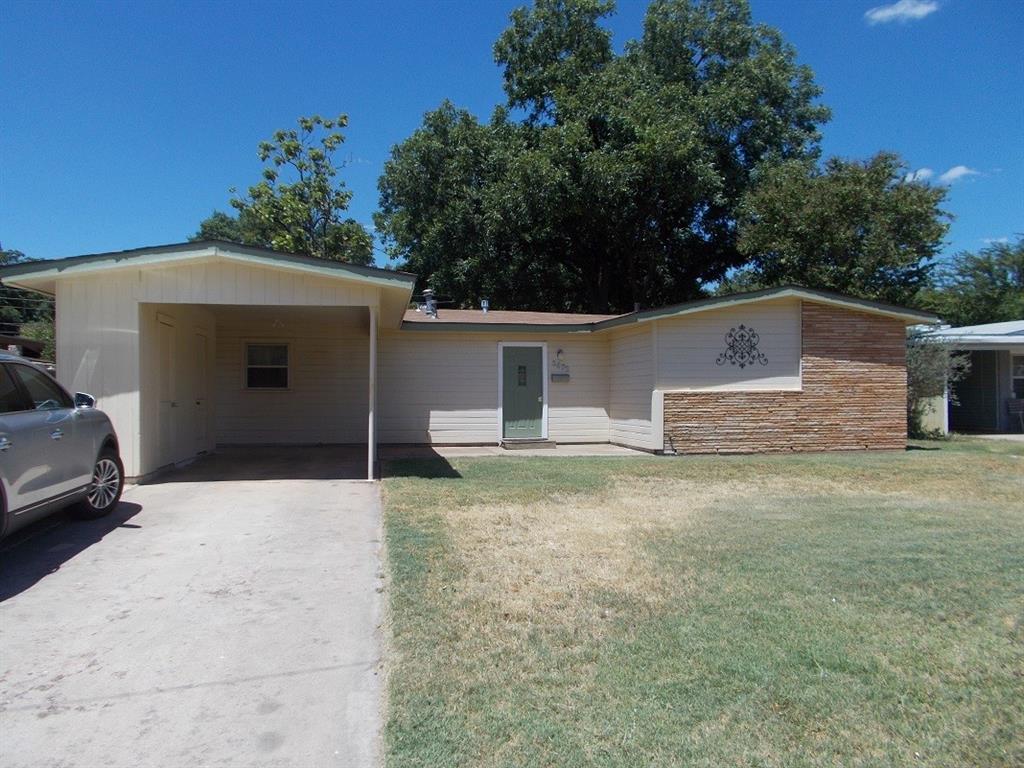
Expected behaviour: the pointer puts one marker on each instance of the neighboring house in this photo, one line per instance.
(988, 398)
(193, 345)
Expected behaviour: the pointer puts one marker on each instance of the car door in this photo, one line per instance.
(17, 461)
(61, 463)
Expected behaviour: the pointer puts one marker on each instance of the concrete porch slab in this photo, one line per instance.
(459, 451)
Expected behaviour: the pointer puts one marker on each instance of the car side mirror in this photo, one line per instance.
(82, 400)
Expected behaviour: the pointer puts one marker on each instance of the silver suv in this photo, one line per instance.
(56, 451)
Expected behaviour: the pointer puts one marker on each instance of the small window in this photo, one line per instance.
(10, 395)
(522, 375)
(266, 366)
(1018, 376)
(44, 392)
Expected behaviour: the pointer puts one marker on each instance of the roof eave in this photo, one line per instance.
(91, 263)
(975, 342)
(910, 316)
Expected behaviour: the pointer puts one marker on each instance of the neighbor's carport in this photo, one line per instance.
(210, 343)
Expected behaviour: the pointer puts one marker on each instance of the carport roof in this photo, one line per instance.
(52, 268)
(990, 335)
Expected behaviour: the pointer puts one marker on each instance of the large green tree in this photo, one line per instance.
(606, 179)
(982, 287)
(860, 228)
(299, 204)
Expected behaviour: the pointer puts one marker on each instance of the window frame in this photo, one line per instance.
(1013, 377)
(246, 344)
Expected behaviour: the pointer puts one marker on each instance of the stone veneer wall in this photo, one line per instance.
(853, 397)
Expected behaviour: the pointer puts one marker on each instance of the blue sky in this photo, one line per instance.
(124, 124)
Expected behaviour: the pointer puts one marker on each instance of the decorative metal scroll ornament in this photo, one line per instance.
(741, 348)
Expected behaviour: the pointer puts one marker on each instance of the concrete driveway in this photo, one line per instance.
(205, 623)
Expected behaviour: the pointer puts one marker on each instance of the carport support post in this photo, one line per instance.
(371, 434)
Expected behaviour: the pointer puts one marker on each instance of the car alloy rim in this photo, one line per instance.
(105, 479)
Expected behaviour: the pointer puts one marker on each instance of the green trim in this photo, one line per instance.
(54, 267)
(795, 291)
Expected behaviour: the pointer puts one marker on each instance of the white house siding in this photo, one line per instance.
(97, 334)
(189, 424)
(218, 281)
(689, 347)
(327, 396)
(631, 386)
(438, 387)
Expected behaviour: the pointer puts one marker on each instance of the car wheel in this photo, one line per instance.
(105, 489)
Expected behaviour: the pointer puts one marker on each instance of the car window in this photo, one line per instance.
(10, 396)
(44, 392)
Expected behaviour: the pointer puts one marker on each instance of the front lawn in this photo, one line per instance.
(839, 610)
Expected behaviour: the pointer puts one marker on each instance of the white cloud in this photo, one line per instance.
(904, 10)
(995, 240)
(956, 173)
(921, 174)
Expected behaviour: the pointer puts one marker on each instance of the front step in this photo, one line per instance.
(528, 444)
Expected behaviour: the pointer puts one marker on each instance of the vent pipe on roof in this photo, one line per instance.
(429, 303)
(485, 305)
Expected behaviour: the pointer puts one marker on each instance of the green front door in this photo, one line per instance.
(522, 400)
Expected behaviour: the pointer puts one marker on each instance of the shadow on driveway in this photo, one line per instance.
(231, 463)
(33, 553)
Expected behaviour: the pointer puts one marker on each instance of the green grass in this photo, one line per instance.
(811, 610)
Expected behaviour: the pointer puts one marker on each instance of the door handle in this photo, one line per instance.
(57, 434)
(540, 398)
(5, 444)
(174, 403)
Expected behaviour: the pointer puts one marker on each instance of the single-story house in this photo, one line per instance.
(200, 344)
(990, 397)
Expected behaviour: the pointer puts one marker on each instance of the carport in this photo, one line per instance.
(218, 376)
(193, 346)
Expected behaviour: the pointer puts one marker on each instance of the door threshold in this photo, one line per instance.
(526, 443)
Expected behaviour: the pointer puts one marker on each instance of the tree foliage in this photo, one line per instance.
(25, 313)
(606, 179)
(42, 330)
(238, 229)
(299, 203)
(18, 306)
(932, 368)
(983, 287)
(859, 228)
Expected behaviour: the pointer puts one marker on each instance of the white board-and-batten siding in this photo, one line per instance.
(439, 387)
(97, 336)
(631, 386)
(689, 348)
(328, 386)
(224, 282)
(183, 387)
